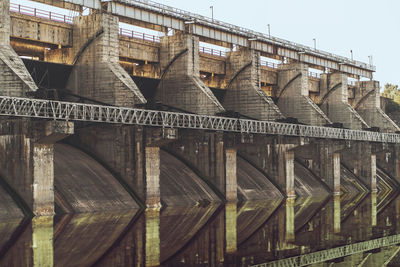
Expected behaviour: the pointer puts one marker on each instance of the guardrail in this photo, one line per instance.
(314, 75)
(139, 35)
(40, 13)
(211, 51)
(334, 253)
(69, 111)
(268, 64)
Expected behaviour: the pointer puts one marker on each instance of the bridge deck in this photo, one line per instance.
(69, 111)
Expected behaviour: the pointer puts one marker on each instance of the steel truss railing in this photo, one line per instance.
(334, 253)
(69, 111)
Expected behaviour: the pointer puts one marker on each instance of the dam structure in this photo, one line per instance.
(95, 117)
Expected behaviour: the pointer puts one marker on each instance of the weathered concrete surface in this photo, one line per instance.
(333, 100)
(180, 85)
(8, 208)
(243, 92)
(26, 149)
(84, 185)
(180, 186)
(367, 104)
(97, 73)
(36, 29)
(293, 95)
(82, 239)
(14, 78)
(253, 185)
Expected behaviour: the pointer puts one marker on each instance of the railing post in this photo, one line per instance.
(143, 37)
(34, 12)
(19, 8)
(65, 21)
(50, 15)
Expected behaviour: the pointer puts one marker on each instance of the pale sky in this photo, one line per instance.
(368, 27)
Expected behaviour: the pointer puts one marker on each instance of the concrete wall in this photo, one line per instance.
(244, 94)
(333, 100)
(367, 104)
(97, 73)
(14, 78)
(294, 100)
(180, 84)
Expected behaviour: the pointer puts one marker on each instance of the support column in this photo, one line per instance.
(97, 73)
(15, 79)
(152, 232)
(337, 219)
(293, 95)
(244, 93)
(231, 175)
(43, 241)
(231, 227)
(152, 177)
(367, 103)
(289, 223)
(180, 84)
(374, 214)
(289, 173)
(333, 101)
(27, 164)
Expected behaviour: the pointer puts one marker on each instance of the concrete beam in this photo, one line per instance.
(97, 73)
(367, 103)
(180, 84)
(333, 101)
(293, 95)
(243, 92)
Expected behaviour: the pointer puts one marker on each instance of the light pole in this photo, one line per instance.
(269, 30)
(351, 53)
(315, 44)
(212, 13)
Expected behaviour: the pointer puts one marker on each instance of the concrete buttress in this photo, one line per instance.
(27, 164)
(15, 79)
(333, 101)
(293, 95)
(96, 73)
(244, 93)
(367, 103)
(180, 84)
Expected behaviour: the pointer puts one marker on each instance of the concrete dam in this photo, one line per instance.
(97, 119)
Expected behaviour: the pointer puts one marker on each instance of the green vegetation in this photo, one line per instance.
(393, 92)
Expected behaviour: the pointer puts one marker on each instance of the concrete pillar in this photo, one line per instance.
(152, 233)
(289, 173)
(27, 163)
(230, 175)
(293, 95)
(180, 84)
(43, 241)
(96, 73)
(337, 219)
(289, 223)
(231, 227)
(367, 103)
(15, 79)
(244, 93)
(333, 101)
(152, 176)
(374, 213)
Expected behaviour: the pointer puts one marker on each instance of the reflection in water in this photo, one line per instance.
(233, 234)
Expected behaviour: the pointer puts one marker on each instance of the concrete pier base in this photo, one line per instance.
(97, 73)
(244, 94)
(43, 241)
(152, 237)
(293, 95)
(180, 85)
(15, 79)
(27, 164)
(152, 160)
(333, 101)
(231, 227)
(230, 175)
(367, 103)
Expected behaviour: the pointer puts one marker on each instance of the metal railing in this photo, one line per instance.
(334, 253)
(69, 111)
(40, 13)
(139, 35)
(268, 64)
(212, 51)
(188, 16)
(314, 75)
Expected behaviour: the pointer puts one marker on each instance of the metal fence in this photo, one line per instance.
(40, 13)
(68, 111)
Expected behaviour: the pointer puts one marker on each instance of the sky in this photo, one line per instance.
(367, 27)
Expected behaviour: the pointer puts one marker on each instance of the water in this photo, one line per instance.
(241, 234)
